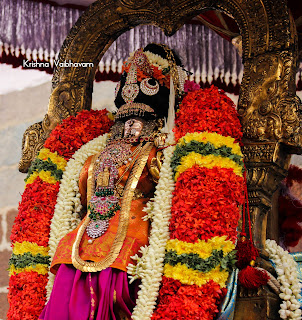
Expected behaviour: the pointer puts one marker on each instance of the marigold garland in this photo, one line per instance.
(24, 296)
(209, 161)
(29, 264)
(217, 140)
(202, 248)
(38, 268)
(204, 149)
(45, 165)
(207, 110)
(46, 154)
(45, 176)
(208, 168)
(33, 248)
(189, 276)
(190, 302)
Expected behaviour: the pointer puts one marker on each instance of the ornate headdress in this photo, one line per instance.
(151, 78)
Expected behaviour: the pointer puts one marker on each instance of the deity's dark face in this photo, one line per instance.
(144, 88)
(133, 127)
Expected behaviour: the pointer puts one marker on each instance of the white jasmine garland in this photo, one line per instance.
(157, 60)
(154, 59)
(150, 266)
(66, 214)
(290, 288)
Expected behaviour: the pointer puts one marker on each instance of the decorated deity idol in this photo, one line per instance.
(115, 184)
(159, 199)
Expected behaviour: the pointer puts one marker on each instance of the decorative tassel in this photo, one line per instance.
(246, 252)
(249, 277)
(252, 278)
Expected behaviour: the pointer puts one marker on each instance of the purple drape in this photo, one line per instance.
(80, 295)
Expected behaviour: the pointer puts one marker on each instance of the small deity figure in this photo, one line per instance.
(91, 261)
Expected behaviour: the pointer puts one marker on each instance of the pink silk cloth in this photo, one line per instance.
(80, 295)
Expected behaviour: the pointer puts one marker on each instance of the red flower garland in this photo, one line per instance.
(178, 301)
(78, 130)
(207, 110)
(35, 212)
(205, 204)
(27, 292)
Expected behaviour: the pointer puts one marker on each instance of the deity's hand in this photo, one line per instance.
(155, 166)
(133, 127)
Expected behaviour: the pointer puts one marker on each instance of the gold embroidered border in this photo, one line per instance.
(130, 187)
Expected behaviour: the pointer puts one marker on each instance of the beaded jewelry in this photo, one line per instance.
(133, 109)
(117, 88)
(131, 89)
(149, 89)
(105, 202)
(142, 62)
(130, 92)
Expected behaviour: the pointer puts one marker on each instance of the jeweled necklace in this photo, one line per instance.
(105, 201)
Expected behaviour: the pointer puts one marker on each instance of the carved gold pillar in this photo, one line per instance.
(266, 164)
(271, 117)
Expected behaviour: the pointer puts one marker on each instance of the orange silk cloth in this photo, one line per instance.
(137, 233)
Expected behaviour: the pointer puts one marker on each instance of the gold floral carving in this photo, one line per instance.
(31, 144)
(268, 106)
(266, 164)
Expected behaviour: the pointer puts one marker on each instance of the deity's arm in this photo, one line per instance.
(156, 162)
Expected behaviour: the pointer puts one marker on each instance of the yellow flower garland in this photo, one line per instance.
(44, 175)
(45, 153)
(214, 138)
(33, 248)
(39, 268)
(201, 247)
(189, 276)
(208, 161)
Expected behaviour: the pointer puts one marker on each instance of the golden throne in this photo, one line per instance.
(268, 107)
